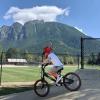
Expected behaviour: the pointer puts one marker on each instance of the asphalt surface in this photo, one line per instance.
(90, 90)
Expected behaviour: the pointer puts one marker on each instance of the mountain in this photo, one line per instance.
(33, 35)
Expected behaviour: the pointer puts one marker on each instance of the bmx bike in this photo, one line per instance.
(71, 81)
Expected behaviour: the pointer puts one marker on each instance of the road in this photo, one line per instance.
(90, 90)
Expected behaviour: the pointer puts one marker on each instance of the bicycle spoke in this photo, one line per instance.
(41, 88)
(72, 81)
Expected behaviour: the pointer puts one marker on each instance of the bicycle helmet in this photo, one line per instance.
(47, 50)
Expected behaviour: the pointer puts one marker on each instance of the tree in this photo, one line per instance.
(1, 48)
(29, 57)
(13, 53)
(92, 59)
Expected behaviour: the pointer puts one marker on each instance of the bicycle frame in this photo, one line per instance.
(44, 74)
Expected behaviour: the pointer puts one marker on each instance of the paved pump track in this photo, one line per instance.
(90, 89)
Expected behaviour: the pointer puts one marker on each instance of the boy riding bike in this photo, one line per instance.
(42, 87)
(50, 57)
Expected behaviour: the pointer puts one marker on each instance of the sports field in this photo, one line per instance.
(27, 74)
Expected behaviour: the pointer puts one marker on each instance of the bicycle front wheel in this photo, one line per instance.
(41, 88)
(72, 81)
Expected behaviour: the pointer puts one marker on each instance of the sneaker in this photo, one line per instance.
(58, 79)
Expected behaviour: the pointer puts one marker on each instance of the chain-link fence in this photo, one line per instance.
(90, 52)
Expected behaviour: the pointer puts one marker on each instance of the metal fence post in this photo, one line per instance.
(82, 53)
(1, 68)
(78, 60)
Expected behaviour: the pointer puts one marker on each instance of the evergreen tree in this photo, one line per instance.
(92, 59)
(13, 53)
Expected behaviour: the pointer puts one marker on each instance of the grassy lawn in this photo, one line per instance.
(92, 67)
(26, 74)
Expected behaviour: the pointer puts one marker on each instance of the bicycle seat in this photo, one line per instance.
(59, 71)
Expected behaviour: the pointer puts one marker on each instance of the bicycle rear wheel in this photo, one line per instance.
(41, 88)
(72, 81)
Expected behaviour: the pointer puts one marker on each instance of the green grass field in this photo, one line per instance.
(92, 67)
(26, 74)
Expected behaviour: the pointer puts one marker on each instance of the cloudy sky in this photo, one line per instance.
(46, 13)
(84, 15)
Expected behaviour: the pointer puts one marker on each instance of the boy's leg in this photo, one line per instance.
(59, 77)
(53, 71)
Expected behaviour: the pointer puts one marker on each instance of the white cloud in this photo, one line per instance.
(46, 13)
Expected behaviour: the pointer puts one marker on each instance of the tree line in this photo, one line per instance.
(16, 53)
(94, 59)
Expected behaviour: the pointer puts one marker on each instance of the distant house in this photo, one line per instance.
(16, 61)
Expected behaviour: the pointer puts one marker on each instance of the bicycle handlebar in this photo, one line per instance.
(44, 65)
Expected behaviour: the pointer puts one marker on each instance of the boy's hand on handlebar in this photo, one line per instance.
(42, 64)
(45, 64)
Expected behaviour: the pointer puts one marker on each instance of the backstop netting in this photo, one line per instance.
(90, 52)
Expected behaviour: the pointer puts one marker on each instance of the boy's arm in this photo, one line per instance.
(46, 61)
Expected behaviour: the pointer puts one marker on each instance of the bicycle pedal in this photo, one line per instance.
(58, 85)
